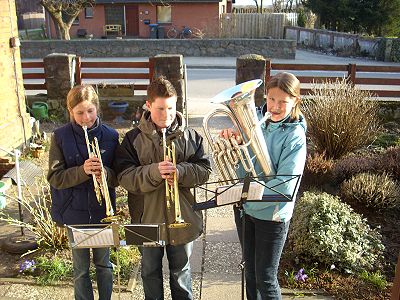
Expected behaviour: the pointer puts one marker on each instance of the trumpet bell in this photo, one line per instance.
(112, 219)
(238, 92)
(178, 224)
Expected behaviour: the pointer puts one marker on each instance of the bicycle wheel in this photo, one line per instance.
(186, 33)
(197, 33)
(172, 33)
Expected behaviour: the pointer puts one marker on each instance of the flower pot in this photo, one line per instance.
(118, 109)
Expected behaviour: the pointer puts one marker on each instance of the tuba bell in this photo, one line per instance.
(241, 109)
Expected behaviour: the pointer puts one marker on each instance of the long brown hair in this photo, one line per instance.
(82, 93)
(288, 83)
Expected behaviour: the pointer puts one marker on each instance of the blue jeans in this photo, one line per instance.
(263, 244)
(180, 280)
(82, 284)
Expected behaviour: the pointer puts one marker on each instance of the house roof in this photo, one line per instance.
(154, 1)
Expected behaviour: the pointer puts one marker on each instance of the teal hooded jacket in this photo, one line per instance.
(286, 144)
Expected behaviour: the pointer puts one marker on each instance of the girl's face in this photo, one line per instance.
(279, 103)
(84, 114)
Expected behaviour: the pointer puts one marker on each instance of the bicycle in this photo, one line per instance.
(173, 33)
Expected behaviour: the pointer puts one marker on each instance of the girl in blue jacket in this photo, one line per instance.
(70, 174)
(267, 223)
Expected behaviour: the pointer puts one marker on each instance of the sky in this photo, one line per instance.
(251, 2)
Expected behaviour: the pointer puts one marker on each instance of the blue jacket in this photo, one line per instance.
(286, 144)
(73, 197)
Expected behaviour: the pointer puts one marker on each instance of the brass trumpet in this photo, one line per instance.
(100, 187)
(172, 192)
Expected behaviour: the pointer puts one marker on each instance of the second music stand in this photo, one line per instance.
(247, 189)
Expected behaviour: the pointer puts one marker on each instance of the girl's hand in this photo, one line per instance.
(92, 166)
(230, 133)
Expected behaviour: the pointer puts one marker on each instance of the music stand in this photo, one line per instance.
(249, 186)
(145, 235)
(93, 235)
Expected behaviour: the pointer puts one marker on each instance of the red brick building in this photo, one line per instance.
(134, 16)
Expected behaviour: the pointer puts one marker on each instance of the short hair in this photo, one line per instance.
(81, 93)
(288, 83)
(160, 87)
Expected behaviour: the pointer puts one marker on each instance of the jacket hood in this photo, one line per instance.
(147, 126)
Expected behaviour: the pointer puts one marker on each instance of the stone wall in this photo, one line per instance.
(270, 48)
(345, 44)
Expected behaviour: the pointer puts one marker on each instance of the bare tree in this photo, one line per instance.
(257, 9)
(64, 12)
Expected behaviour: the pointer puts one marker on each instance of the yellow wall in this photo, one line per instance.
(13, 116)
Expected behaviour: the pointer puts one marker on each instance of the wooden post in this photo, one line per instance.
(151, 68)
(396, 283)
(268, 68)
(351, 73)
(78, 71)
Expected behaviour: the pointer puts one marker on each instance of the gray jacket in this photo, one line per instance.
(136, 162)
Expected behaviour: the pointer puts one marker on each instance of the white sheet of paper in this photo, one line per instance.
(234, 194)
(93, 237)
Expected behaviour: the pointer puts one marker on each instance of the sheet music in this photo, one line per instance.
(229, 194)
(93, 237)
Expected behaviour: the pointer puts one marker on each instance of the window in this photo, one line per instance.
(76, 21)
(88, 12)
(164, 14)
(66, 18)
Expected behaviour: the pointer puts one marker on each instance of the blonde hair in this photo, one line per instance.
(81, 93)
(288, 83)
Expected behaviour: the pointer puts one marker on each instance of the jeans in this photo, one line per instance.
(263, 244)
(82, 284)
(180, 280)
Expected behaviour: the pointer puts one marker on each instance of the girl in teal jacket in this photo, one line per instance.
(266, 223)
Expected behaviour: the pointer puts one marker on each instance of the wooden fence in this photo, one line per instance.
(86, 70)
(252, 25)
(364, 77)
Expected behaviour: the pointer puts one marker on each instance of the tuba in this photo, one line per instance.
(227, 153)
(100, 187)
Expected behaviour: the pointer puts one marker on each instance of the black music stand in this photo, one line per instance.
(247, 190)
(145, 235)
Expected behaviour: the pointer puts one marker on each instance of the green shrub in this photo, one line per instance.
(325, 230)
(375, 278)
(372, 190)
(53, 270)
(340, 118)
(127, 258)
(317, 171)
(386, 140)
(301, 18)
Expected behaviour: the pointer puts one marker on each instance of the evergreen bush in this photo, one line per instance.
(340, 118)
(351, 165)
(324, 229)
(372, 190)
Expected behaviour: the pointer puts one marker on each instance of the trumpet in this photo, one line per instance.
(100, 187)
(171, 191)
